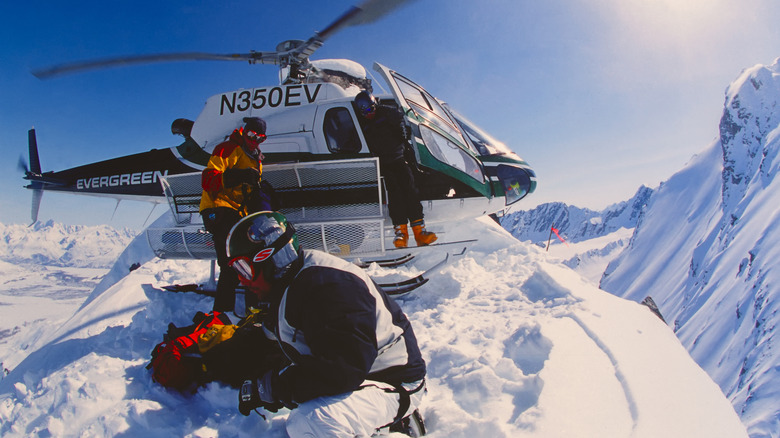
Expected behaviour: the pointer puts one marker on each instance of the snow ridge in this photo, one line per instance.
(516, 346)
(707, 246)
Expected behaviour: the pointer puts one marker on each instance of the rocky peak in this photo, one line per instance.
(751, 112)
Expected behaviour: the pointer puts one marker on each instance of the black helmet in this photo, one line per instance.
(263, 242)
(255, 124)
(365, 102)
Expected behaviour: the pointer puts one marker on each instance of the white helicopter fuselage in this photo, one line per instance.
(460, 171)
(299, 117)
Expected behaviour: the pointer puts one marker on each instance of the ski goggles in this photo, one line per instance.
(252, 135)
(243, 267)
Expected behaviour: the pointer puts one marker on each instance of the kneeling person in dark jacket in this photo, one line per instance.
(354, 364)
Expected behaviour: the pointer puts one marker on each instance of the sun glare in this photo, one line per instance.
(665, 23)
(661, 39)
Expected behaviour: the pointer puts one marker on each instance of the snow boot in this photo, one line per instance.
(401, 236)
(411, 425)
(421, 235)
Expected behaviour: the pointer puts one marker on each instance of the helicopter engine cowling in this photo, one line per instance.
(182, 127)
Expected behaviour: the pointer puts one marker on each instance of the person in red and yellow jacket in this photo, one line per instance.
(231, 190)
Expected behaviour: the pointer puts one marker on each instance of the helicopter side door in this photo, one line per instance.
(441, 145)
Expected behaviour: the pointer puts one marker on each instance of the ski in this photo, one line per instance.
(192, 287)
(406, 286)
(201, 289)
(385, 263)
(465, 244)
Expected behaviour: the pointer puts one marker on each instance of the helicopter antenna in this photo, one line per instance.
(292, 55)
(154, 205)
(116, 207)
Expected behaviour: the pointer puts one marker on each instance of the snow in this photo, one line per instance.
(707, 247)
(590, 258)
(347, 66)
(517, 345)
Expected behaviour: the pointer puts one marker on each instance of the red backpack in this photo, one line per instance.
(177, 362)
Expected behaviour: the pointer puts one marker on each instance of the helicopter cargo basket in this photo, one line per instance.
(336, 206)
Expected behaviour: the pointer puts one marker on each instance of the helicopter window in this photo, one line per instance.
(412, 94)
(340, 133)
(428, 107)
(516, 182)
(486, 144)
(449, 153)
(482, 146)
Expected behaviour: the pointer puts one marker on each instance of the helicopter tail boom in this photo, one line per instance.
(135, 177)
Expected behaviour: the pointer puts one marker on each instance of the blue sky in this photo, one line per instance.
(599, 97)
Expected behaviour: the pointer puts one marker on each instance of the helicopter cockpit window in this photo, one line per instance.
(427, 106)
(449, 153)
(484, 142)
(340, 133)
(516, 182)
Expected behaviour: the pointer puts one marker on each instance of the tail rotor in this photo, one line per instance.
(22, 165)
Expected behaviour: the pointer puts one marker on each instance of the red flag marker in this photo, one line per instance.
(554, 230)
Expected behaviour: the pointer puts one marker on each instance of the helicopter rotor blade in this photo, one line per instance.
(62, 69)
(367, 12)
(297, 53)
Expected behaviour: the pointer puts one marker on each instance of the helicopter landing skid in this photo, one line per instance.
(395, 289)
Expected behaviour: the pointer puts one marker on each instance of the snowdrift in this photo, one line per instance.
(516, 346)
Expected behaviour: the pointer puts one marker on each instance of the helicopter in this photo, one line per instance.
(315, 155)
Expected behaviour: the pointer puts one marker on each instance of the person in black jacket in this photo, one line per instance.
(384, 130)
(353, 363)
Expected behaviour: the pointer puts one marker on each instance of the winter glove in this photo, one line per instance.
(248, 397)
(234, 177)
(256, 393)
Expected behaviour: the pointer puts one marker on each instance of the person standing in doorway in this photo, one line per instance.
(383, 128)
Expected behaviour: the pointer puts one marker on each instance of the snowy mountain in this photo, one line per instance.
(593, 238)
(517, 345)
(575, 224)
(54, 244)
(707, 249)
(46, 272)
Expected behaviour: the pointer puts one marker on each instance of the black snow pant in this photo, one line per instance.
(403, 200)
(218, 221)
